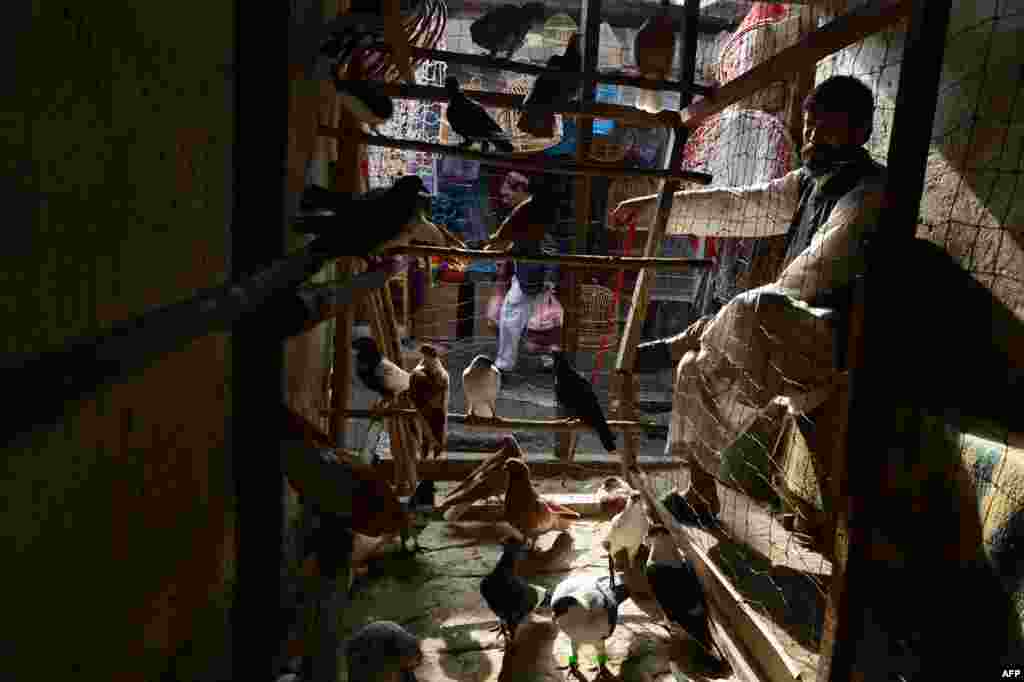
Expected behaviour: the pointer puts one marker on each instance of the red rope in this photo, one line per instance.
(627, 249)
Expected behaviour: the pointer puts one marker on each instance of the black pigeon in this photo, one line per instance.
(471, 122)
(377, 373)
(550, 92)
(419, 506)
(577, 397)
(383, 215)
(678, 591)
(504, 29)
(510, 597)
(684, 512)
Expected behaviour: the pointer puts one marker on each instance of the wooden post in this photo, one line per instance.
(799, 88)
(864, 463)
(341, 376)
(406, 444)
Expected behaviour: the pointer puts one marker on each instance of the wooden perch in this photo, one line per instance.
(600, 262)
(541, 165)
(499, 424)
(841, 32)
(637, 118)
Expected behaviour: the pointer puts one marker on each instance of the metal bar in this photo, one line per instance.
(869, 18)
(865, 465)
(259, 168)
(539, 166)
(602, 262)
(500, 423)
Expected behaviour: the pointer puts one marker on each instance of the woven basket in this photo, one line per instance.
(425, 27)
(509, 118)
(598, 317)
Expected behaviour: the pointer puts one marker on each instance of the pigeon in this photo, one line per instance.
(654, 48)
(418, 506)
(504, 28)
(361, 97)
(549, 92)
(481, 382)
(678, 590)
(377, 373)
(510, 597)
(684, 512)
(428, 390)
(577, 397)
(587, 610)
(471, 122)
(396, 212)
(383, 650)
(626, 531)
(486, 481)
(613, 495)
(526, 511)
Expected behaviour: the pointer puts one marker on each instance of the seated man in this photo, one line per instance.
(772, 341)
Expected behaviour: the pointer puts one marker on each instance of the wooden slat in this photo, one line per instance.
(341, 378)
(839, 33)
(539, 166)
(499, 424)
(588, 261)
(456, 466)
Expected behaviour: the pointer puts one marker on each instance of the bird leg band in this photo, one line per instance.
(602, 659)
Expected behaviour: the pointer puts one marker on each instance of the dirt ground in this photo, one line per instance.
(436, 596)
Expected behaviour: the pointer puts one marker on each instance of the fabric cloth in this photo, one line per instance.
(776, 340)
(516, 312)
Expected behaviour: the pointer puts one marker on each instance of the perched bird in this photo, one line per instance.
(654, 48)
(481, 382)
(510, 597)
(383, 650)
(428, 390)
(587, 610)
(504, 28)
(549, 93)
(577, 397)
(613, 495)
(471, 122)
(526, 511)
(418, 506)
(627, 530)
(486, 481)
(678, 590)
(685, 513)
(361, 97)
(396, 212)
(377, 373)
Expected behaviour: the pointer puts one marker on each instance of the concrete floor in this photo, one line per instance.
(436, 596)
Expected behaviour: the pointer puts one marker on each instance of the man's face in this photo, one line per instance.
(514, 189)
(826, 133)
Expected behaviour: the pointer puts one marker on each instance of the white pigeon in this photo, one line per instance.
(587, 610)
(627, 530)
(481, 382)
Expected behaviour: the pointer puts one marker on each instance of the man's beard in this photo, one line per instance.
(822, 159)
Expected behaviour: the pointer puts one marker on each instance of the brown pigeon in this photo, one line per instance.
(428, 390)
(486, 481)
(526, 511)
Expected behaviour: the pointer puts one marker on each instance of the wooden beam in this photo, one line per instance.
(841, 32)
(341, 376)
(623, 13)
(762, 650)
(542, 165)
(499, 424)
(456, 466)
(856, 476)
(799, 88)
(588, 261)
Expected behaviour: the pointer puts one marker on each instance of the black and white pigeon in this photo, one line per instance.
(504, 29)
(377, 373)
(577, 398)
(587, 610)
(481, 382)
(396, 213)
(549, 92)
(510, 597)
(419, 506)
(471, 122)
(679, 593)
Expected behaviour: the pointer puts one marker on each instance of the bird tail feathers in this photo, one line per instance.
(607, 437)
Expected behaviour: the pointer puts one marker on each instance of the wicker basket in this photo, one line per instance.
(424, 28)
(509, 118)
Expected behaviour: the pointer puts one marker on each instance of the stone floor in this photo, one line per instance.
(436, 595)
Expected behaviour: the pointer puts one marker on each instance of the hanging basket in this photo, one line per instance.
(508, 119)
(424, 27)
